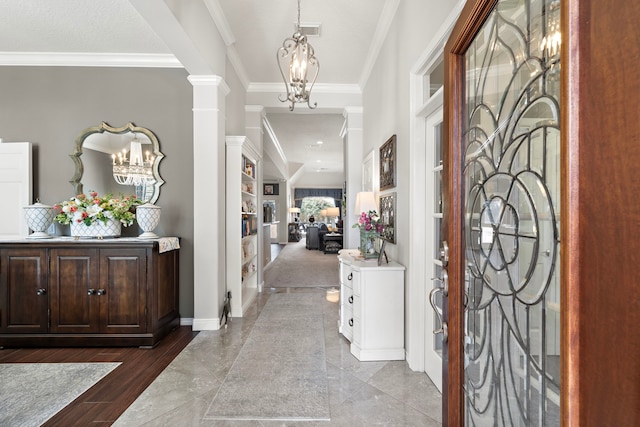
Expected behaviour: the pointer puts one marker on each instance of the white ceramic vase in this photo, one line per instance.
(39, 217)
(148, 218)
(97, 230)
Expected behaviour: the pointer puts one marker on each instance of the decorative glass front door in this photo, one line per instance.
(511, 176)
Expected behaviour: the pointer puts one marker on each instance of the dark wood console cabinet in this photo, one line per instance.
(116, 292)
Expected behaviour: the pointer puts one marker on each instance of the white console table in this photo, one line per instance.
(372, 307)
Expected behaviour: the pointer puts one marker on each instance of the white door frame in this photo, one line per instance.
(419, 247)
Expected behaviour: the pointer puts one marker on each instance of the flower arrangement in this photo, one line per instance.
(370, 222)
(92, 208)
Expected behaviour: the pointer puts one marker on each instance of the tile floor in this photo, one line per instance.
(360, 393)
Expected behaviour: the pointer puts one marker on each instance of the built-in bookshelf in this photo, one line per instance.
(249, 230)
(243, 222)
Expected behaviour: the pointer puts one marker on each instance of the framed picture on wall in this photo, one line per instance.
(388, 216)
(388, 164)
(271, 189)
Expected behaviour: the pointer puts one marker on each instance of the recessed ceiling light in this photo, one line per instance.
(320, 142)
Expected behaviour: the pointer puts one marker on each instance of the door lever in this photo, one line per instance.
(444, 289)
(443, 329)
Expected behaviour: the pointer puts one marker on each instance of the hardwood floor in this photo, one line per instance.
(103, 403)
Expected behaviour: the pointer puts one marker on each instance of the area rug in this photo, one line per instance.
(31, 393)
(280, 373)
(298, 267)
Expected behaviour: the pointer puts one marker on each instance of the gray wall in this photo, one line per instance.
(50, 106)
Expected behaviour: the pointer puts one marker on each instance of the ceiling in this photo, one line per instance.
(37, 32)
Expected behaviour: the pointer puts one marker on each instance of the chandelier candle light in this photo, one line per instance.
(136, 170)
(297, 61)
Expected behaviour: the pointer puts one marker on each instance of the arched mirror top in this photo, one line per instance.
(99, 150)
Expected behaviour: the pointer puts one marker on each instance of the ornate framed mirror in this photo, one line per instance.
(118, 160)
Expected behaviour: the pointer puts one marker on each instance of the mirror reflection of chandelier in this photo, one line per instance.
(136, 170)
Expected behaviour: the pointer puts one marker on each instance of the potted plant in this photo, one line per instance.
(95, 216)
(371, 227)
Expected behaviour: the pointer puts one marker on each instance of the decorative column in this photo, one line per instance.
(209, 270)
(353, 157)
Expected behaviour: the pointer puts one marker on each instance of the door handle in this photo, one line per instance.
(41, 291)
(444, 289)
(443, 329)
(101, 291)
(91, 292)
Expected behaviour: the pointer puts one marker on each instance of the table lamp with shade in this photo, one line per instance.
(365, 202)
(333, 213)
(295, 211)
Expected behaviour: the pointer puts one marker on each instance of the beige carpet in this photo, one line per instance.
(298, 267)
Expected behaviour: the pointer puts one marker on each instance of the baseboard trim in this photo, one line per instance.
(186, 321)
(206, 324)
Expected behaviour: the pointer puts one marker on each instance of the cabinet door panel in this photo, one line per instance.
(74, 278)
(123, 284)
(166, 277)
(23, 291)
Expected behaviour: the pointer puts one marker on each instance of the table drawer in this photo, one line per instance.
(347, 322)
(346, 275)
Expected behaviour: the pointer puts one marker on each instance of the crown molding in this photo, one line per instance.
(384, 23)
(79, 59)
(215, 10)
(236, 63)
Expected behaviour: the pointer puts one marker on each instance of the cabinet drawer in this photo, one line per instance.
(347, 322)
(346, 314)
(346, 275)
(346, 295)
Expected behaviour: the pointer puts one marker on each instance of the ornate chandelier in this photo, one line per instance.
(136, 170)
(297, 62)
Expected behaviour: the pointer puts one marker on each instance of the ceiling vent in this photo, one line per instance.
(308, 29)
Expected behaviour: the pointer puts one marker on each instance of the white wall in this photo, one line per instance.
(386, 101)
(235, 124)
